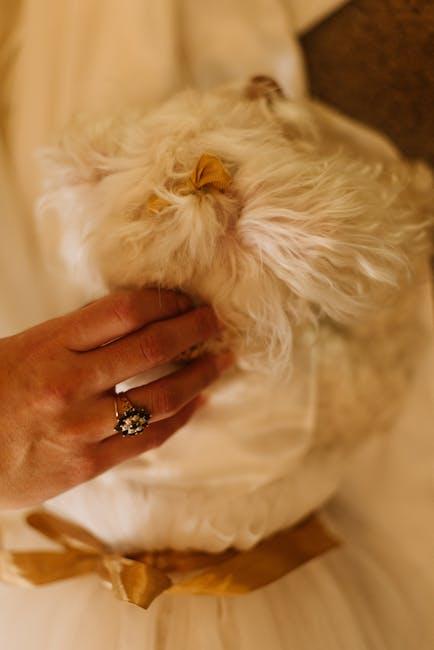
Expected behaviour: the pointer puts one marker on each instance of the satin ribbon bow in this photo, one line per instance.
(209, 173)
(141, 577)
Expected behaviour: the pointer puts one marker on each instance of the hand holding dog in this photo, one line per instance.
(56, 388)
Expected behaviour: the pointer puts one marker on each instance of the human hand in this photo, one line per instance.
(56, 388)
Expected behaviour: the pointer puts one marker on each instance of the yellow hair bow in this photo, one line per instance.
(208, 173)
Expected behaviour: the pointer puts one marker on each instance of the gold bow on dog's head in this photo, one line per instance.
(209, 173)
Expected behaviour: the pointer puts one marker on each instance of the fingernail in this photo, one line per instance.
(224, 360)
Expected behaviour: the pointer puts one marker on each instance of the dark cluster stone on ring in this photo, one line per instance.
(133, 421)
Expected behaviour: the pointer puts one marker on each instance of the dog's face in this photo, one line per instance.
(232, 196)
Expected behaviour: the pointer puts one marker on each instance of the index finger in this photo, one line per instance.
(153, 346)
(119, 314)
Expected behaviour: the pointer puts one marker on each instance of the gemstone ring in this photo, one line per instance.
(130, 420)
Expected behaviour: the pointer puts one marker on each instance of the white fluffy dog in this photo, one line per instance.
(254, 204)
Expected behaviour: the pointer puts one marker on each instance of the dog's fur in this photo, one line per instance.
(311, 236)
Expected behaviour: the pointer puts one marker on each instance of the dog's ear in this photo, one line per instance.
(73, 171)
(294, 121)
(81, 154)
(265, 87)
(83, 173)
(90, 176)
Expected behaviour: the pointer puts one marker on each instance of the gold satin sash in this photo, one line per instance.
(141, 577)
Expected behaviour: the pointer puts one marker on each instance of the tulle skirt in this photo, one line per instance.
(363, 596)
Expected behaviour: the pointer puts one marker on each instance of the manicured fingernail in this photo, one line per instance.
(224, 360)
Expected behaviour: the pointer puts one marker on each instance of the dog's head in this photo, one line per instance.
(236, 197)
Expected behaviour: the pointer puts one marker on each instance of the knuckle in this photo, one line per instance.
(70, 430)
(74, 331)
(125, 309)
(83, 463)
(165, 400)
(87, 376)
(56, 393)
(86, 467)
(153, 347)
(74, 429)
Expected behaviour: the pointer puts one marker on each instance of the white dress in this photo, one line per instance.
(374, 592)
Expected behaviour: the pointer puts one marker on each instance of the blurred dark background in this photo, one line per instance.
(374, 60)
